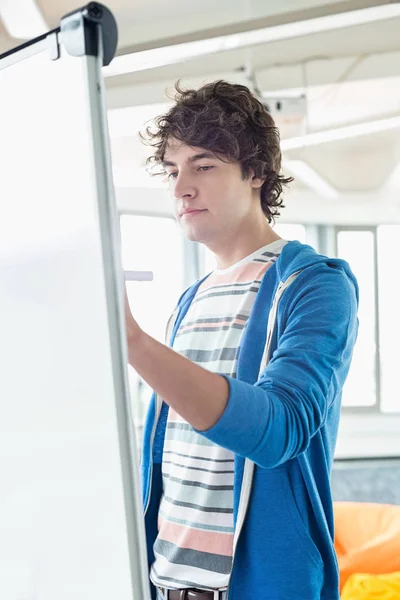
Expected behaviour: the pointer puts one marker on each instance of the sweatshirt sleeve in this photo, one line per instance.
(274, 420)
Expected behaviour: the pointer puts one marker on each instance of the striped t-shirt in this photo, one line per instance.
(194, 546)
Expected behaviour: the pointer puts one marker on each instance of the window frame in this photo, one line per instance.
(376, 408)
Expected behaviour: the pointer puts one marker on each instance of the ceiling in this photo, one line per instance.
(146, 22)
(348, 76)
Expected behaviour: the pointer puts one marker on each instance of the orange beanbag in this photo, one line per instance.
(367, 538)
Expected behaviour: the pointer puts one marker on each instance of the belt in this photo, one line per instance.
(190, 594)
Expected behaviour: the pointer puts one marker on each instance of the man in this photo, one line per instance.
(241, 430)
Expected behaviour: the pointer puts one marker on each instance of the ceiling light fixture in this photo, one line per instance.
(22, 19)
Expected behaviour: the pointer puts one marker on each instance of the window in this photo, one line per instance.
(372, 380)
(388, 237)
(291, 231)
(151, 244)
(357, 247)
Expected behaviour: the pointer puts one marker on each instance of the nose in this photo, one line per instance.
(183, 187)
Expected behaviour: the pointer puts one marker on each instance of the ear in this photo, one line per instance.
(256, 182)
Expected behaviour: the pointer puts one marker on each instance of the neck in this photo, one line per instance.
(243, 243)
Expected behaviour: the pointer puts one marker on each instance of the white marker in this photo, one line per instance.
(139, 275)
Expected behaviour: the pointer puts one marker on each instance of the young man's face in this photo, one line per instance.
(212, 201)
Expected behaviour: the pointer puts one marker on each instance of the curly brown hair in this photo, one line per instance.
(231, 122)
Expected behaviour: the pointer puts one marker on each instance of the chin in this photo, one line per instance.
(197, 234)
(191, 235)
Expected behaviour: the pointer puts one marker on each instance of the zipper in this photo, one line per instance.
(283, 285)
(169, 328)
(248, 471)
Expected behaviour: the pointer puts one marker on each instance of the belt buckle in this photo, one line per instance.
(184, 594)
(216, 594)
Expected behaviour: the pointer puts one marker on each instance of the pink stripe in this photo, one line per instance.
(196, 539)
(249, 272)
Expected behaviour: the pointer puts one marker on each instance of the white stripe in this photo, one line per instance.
(197, 450)
(196, 516)
(207, 340)
(220, 306)
(187, 573)
(234, 295)
(198, 476)
(199, 462)
(202, 498)
(201, 339)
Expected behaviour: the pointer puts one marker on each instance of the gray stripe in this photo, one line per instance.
(170, 462)
(221, 286)
(194, 525)
(179, 583)
(271, 254)
(202, 356)
(215, 320)
(210, 509)
(193, 558)
(197, 483)
(229, 293)
(265, 262)
(212, 329)
(183, 426)
(221, 498)
(225, 460)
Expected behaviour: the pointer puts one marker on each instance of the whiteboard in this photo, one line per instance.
(69, 497)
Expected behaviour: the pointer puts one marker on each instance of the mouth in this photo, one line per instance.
(188, 214)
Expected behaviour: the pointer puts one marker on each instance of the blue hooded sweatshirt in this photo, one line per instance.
(281, 424)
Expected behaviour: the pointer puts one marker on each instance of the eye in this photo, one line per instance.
(172, 175)
(205, 168)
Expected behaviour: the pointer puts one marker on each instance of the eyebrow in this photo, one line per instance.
(191, 159)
